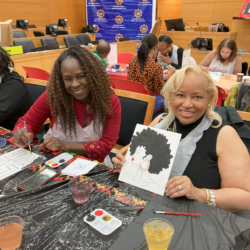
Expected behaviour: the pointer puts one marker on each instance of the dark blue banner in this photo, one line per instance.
(120, 18)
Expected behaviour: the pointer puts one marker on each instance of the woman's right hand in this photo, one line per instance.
(119, 161)
(21, 138)
(206, 68)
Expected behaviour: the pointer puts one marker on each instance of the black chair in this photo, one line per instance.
(249, 71)
(35, 91)
(71, 41)
(26, 44)
(32, 26)
(13, 26)
(38, 33)
(83, 38)
(244, 68)
(18, 34)
(51, 42)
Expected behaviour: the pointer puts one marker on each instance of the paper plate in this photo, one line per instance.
(2, 142)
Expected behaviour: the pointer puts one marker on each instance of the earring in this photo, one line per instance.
(145, 169)
(170, 103)
(208, 105)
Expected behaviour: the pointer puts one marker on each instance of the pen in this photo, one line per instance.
(173, 213)
(27, 131)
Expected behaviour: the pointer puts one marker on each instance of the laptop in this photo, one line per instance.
(186, 58)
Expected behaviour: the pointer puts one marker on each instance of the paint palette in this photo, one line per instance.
(58, 160)
(2, 142)
(102, 221)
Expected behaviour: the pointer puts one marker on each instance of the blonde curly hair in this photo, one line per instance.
(175, 82)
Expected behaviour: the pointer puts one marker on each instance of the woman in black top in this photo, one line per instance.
(15, 100)
(212, 163)
(169, 53)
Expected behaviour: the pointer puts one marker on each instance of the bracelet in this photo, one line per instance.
(210, 197)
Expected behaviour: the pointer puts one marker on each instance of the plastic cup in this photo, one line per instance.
(240, 77)
(11, 231)
(158, 233)
(212, 28)
(80, 190)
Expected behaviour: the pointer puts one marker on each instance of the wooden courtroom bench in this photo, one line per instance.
(45, 60)
(29, 32)
(60, 40)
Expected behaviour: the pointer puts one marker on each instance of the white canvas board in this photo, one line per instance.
(150, 158)
(78, 167)
(15, 161)
(186, 58)
(112, 57)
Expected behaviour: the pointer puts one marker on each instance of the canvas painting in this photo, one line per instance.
(150, 158)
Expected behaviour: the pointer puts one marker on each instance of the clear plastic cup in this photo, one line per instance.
(80, 190)
(11, 232)
(158, 233)
(212, 28)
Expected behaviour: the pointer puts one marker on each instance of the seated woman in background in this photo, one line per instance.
(15, 100)
(212, 163)
(169, 53)
(224, 59)
(84, 112)
(142, 68)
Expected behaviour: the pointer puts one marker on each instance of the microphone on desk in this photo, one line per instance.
(201, 41)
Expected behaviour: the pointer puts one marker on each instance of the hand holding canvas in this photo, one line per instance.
(119, 160)
(186, 188)
(53, 144)
(21, 137)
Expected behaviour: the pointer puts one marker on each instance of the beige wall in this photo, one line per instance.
(44, 12)
(205, 12)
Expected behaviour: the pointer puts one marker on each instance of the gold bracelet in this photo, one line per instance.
(207, 193)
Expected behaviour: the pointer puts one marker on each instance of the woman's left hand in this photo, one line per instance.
(165, 59)
(53, 144)
(181, 186)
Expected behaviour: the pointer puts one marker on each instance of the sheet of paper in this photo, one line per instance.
(78, 167)
(150, 158)
(15, 161)
(215, 76)
(112, 57)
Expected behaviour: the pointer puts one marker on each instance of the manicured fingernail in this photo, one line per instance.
(27, 138)
(166, 194)
(171, 196)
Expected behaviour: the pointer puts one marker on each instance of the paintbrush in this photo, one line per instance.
(27, 131)
(173, 213)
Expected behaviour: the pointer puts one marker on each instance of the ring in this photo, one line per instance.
(179, 187)
(115, 166)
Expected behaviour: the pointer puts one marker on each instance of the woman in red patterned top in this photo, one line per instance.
(84, 113)
(144, 69)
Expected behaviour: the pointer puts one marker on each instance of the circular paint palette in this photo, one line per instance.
(2, 142)
(102, 221)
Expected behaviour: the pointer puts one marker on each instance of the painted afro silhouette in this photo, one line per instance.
(156, 145)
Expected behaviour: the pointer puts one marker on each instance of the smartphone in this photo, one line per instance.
(38, 179)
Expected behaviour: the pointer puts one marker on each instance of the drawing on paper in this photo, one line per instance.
(149, 159)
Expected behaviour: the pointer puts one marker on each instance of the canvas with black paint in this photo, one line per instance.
(15, 161)
(150, 158)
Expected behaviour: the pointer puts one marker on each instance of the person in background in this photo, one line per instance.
(15, 99)
(224, 59)
(84, 112)
(169, 53)
(212, 163)
(143, 68)
(102, 51)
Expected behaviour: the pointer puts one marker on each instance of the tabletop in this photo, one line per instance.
(54, 221)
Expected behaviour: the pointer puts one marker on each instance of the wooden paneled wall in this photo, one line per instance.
(168, 9)
(206, 12)
(44, 12)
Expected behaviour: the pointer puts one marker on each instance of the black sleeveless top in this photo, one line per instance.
(202, 168)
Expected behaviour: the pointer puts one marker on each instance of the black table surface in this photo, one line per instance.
(54, 221)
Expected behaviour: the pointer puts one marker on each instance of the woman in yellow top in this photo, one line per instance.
(224, 59)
